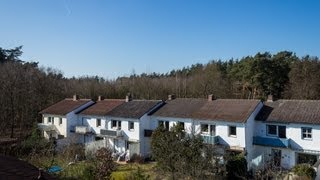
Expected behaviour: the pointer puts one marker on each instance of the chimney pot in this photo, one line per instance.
(75, 97)
(100, 98)
(210, 97)
(128, 97)
(270, 98)
(171, 97)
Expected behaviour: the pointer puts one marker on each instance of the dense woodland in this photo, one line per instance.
(27, 88)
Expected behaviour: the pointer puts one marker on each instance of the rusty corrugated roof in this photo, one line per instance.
(64, 107)
(101, 108)
(234, 110)
(291, 111)
(134, 109)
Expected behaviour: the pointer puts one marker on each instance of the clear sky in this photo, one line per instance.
(113, 38)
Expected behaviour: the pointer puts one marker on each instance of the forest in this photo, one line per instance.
(26, 88)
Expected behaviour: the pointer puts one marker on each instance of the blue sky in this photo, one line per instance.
(113, 38)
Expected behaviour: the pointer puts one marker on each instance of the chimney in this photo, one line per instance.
(210, 97)
(128, 97)
(75, 97)
(270, 98)
(171, 97)
(100, 98)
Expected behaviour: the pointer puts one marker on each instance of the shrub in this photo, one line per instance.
(304, 170)
(136, 158)
(105, 164)
(236, 167)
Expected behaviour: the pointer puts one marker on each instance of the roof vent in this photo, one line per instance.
(75, 97)
(171, 97)
(100, 98)
(128, 97)
(270, 98)
(210, 97)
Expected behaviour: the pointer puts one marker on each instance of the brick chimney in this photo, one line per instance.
(210, 97)
(128, 97)
(171, 97)
(270, 98)
(100, 98)
(75, 97)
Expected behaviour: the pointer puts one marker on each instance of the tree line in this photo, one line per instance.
(26, 88)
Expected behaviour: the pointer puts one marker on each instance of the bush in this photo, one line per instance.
(105, 164)
(136, 158)
(304, 170)
(236, 167)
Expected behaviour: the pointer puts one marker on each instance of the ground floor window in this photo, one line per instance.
(306, 158)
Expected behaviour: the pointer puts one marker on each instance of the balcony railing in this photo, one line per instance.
(208, 139)
(273, 142)
(46, 127)
(111, 133)
(82, 129)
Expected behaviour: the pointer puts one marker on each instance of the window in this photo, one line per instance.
(181, 124)
(51, 120)
(232, 131)
(212, 130)
(275, 130)
(282, 132)
(165, 124)
(98, 123)
(116, 124)
(272, 130)
(131, 126)
(60, 121)
(306, 133)
(204, 128)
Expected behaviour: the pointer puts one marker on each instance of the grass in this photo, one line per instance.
(125, 170)
(84, 169)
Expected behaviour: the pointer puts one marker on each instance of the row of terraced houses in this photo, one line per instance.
(281, 132)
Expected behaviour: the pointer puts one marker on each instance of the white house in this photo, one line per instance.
(287, 133)
(125, 126)
(60, 119)
(94, 119)
(226, 122)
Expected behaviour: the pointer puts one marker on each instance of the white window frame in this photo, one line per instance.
(277, 130)
(273, 135)
(204, 132)
(98, 121)
(60, 121)
(129, 125)
(164, 124)
(306, 132)
(229, 131)
(118, 125)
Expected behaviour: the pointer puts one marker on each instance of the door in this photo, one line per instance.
(276, 157)
(133, 148)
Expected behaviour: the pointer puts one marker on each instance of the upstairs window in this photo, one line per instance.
(131, 126)
(60, 121)
(275, 130)
(98, 123)
(50, 120)
(212, 130)
(181, 124)
(306, 133)
(165, 124)
(232, 131)
(116, 124)
(204, 128)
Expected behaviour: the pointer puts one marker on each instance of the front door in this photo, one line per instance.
(276, 157)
